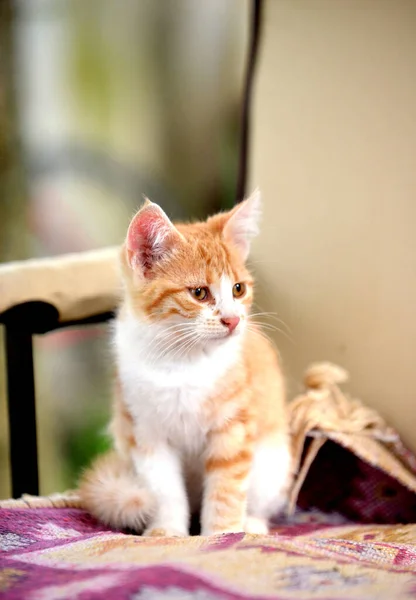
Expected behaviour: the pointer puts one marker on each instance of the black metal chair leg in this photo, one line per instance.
(22, 411)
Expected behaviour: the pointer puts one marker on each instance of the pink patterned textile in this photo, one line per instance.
(59, 553)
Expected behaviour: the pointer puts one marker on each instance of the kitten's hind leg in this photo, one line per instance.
(269, 483)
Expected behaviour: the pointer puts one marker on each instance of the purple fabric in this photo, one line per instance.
(58, 554)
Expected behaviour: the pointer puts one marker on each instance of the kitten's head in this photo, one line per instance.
(191, 279)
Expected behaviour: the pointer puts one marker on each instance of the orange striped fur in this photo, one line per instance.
(199, 420)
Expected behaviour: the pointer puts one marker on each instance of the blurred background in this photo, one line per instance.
(103, 100)
(100, 102)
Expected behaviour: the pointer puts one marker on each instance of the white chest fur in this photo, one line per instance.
(166, 397)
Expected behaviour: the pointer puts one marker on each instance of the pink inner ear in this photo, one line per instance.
(148, 238)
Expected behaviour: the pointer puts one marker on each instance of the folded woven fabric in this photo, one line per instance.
(347, 458)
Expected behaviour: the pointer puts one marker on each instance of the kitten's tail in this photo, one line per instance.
(110, 491)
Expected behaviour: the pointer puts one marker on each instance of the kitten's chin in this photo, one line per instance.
(224, 338)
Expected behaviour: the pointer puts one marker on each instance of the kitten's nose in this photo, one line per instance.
(231, 322)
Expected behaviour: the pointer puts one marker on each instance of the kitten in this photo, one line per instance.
(199, 415)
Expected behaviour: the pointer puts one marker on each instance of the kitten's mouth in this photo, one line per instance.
(233, 333)
(227, 334)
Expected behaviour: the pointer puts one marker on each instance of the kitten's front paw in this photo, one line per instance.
(257, 526)
(158, 531)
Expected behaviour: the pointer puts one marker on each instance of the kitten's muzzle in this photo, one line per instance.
(231, 323)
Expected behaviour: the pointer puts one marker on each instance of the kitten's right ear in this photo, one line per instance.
(242, 223)
(150, 238)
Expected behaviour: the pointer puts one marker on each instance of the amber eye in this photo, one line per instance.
(239, 290)
(200, 293)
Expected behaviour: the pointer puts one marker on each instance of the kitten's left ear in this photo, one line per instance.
(151, 237)
(243, 223)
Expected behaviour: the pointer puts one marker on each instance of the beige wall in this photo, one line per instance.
(334, 152)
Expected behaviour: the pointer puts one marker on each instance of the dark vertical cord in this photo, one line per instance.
(256, 15)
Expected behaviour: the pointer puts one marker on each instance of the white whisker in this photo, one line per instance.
(272, 315)
(271, 327)
(164, 350)
(187, 346)
(169, 336)
(157, 350)
(266, 337)
(175, 327)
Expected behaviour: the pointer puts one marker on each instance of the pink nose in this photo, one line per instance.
(231, 323)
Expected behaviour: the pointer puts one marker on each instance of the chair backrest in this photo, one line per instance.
(37, 297)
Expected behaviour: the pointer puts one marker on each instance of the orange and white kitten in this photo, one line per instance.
(199, 416)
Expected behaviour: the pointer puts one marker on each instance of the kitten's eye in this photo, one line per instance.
(239, 290)
(200, 293)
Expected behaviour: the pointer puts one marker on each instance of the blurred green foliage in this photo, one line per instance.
(82, 445)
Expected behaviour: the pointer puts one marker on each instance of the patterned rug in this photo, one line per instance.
(52, 553)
